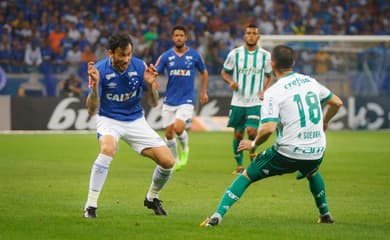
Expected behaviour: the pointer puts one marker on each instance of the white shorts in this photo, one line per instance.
(183, 112)
(138, 134)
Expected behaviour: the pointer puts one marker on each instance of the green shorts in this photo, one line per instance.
(243, 117)
(270, 163)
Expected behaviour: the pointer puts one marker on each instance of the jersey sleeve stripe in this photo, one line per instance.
(265, 120)
(327, 98)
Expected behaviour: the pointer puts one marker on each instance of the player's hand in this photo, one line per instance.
(245, 145)
(233, 86)
(151, 74)
(260, 94)
(204, 98)
(325, 126)
(93, 75)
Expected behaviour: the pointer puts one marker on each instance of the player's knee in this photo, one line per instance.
(245, 174)
(167, 163)
(108, 149)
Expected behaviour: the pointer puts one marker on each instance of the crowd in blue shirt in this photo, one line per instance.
(63, 29)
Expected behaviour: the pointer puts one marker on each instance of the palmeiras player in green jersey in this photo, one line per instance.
(292, 106)
(247, 70)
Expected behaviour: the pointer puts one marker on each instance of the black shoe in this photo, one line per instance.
(327, 218)
(156, 206)
(90, 212)
(210, 222)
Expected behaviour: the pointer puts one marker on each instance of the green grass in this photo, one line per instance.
(44, 181)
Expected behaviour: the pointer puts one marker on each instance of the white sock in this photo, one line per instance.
(98, 177)
(159, 179)
(172, 145)
(183, 139)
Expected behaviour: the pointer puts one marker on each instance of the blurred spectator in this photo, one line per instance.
(55, 38)
(307, 59)
(17, 57)
(74, 33)
(73, 58)
(47, 57)
(101, 49)
(5, 53)
(86, 56)
(83, 41)
(3, 78)
(322, 61)
(71, 86)
(32, 57)
(66, 42)
(91, 32)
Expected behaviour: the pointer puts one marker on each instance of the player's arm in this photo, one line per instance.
(334, 104)
(265, 131)
(267, 84)
(93, 98)
(228, 79)
(203, 91)
(150, 78)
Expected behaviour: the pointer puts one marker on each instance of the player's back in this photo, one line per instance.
(301, 132)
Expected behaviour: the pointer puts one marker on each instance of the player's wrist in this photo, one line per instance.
(254, 145)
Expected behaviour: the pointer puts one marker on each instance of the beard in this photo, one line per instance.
(120, 66)
(179, 45)
(251, 44)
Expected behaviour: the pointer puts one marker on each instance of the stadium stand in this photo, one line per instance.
(214, 28)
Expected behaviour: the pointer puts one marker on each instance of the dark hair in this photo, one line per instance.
(119, 40)
(283, 57)
(251, 25)
(179, 27)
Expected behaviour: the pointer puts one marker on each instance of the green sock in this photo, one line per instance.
(232, 194)
(237, 154)
(317, 188)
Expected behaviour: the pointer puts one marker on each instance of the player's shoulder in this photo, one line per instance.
(137, 61)
(168, 52)
(102, 62)
(193, 52)
(265, 51)
(238, 49)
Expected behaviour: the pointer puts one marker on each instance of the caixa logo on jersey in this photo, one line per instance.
(66, 117)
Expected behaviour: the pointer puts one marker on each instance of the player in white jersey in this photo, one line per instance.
(247, 70)
(181, 63)
(117, 84)
(293, 107)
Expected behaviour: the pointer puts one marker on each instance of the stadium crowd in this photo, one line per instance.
(36, 36)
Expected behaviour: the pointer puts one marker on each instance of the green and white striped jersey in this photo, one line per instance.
(294, 101)
(248, 69)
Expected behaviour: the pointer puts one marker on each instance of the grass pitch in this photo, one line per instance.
(44, 182)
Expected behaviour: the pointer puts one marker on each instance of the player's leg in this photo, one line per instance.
(238, 135)
(268, 164)
(237, 121)
(168, 120)
(162, 173)
(147, 142)
(317, 188)
(232, 194)
(252, 132)
(183, 120)
(170, 139)
(108, 145)
(252, 124)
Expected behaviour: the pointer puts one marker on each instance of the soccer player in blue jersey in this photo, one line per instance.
(181, 63)
(293, 107)
(117, 84)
